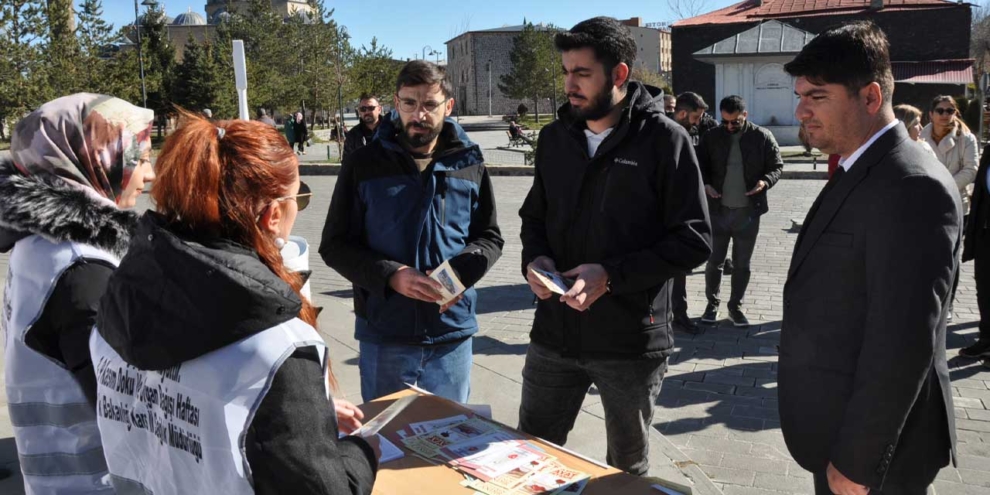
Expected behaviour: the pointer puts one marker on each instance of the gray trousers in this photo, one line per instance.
(554, 388)
(741, 226)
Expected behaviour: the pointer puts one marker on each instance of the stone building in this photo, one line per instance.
(741, 49)
(470, 55)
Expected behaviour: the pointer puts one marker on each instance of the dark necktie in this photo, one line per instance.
(836, 176)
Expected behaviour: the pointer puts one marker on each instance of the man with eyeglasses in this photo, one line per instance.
(370, 115)
(419, 194)
(739, 162)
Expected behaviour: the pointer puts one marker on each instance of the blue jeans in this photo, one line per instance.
(442, 369)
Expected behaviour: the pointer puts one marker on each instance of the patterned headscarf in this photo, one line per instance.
(91, 140)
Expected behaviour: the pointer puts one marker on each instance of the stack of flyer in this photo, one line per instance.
(495, 461)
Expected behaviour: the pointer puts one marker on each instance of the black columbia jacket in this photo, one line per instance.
(637, 207)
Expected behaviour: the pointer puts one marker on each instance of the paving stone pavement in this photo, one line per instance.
(718, 402)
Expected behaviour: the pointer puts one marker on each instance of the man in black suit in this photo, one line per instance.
(864, 393)
(976, 246)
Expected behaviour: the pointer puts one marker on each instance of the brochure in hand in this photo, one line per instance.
(451, 285)
(553, 281)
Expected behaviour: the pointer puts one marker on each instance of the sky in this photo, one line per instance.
(406, 27)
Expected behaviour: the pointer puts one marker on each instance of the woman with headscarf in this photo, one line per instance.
(76, 161)
(299, 132)
(204, 309)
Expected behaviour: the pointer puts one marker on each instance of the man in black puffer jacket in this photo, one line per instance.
(616, 205)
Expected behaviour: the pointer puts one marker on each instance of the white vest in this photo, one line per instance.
(182, 430)
(54, 426)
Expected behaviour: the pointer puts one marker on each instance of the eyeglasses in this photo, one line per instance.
(366, 109)
(301, 199)
(945, 111)
(733, 123)
(408, 105)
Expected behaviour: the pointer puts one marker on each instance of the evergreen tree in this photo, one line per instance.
(159, 63)
(61, 50)
(95, 40)
(532, 56)
(197, 74)
(374, 71)
(22, 83)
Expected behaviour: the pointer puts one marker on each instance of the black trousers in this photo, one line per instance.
(678, 296)
(981, 264)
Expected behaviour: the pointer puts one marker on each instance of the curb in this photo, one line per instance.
(311, 169)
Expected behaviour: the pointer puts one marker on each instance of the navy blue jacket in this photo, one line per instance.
(385, 214)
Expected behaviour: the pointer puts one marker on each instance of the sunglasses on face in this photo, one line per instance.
(733, 123)
(945, 111)
(301, 199)
(366, 109)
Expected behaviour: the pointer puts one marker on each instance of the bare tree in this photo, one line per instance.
(684, 9)
(979, 46)
(459, 29)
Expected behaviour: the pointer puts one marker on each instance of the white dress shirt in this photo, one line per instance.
(847, 163)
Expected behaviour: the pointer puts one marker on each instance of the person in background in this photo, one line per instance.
(264, 118)
(910, 116)
(956, 147)
(76, 163)
(688, 111)
(227, 196)
(739, 162)
(370, 116)
(669, 105)
(976, 248)
(300, 132)
(417, 196)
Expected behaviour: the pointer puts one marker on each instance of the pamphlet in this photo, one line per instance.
(552, 281)
(451, 285)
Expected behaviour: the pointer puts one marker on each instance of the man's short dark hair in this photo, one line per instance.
(690, 101)
(418, 72)
(608, 38)
(367, 96)
(732, 104)
(853, 55)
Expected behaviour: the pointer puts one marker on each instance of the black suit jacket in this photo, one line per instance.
(974, 242)
(863, 380)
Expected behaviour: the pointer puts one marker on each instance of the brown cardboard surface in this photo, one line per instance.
(415, 475)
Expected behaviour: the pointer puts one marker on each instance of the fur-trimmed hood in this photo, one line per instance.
(46, 205)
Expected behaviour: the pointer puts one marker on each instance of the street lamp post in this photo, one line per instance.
(489, 87)
(424, 51)
(137, 26)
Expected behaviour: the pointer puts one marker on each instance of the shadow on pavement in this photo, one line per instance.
(496, 299)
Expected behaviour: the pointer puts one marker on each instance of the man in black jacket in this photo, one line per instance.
(739, 161)
(370, 114)
(617, 206)
(689, 109)
(976, 246)
(865, 397)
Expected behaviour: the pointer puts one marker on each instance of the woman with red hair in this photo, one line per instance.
(212, 377)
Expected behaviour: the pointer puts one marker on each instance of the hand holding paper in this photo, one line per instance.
(450, 286)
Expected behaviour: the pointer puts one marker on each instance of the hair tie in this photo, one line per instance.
(221, 132)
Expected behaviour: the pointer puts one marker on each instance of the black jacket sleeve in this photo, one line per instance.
(704, 159)
(898, 347)
(292, 444)
(773, 165)
(687, 239)
(63, 329)
(351, 142)
(484, 243)
(534, 218)
(343, 248)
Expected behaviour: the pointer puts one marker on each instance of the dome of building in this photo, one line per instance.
(220, 16)
(189, 19)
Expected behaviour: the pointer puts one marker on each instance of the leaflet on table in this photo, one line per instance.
(451, 285)
(389, 452)
(496, 440)
(429, 444)
(551, 478)
(506, 462)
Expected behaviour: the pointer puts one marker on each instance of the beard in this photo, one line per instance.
(368, 119)
(419, 140)
(599, 106)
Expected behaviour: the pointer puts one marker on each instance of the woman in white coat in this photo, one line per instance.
(956, 147)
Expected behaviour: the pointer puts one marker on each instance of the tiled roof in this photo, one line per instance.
(752, 10)
(934, 72)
